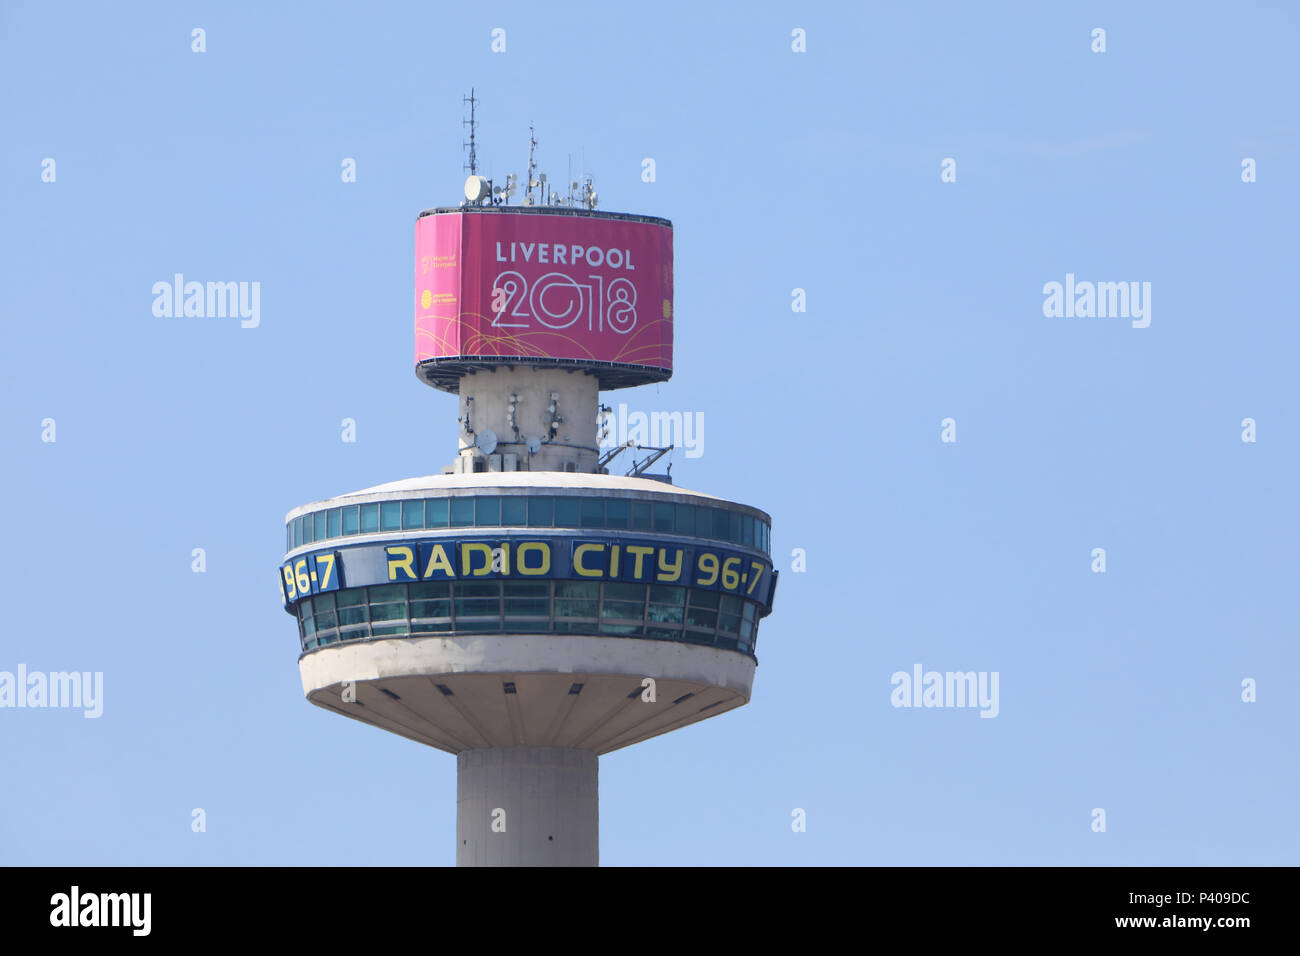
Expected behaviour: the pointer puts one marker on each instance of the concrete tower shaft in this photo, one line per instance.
(540, 419)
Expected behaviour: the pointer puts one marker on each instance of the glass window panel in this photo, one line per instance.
(435, 512)
(308, 627)
(698, 637)
(430, 627)
(478, 607)
(541, 511)
(641, 515)
(664, 613)
(493, 624)
(747, 530)
(305, 521)
(318, 526)
(719, 524)
(487, 511)
(625, 591)
(746, 631)
(733, 526)
(390, 630)
(388, 612)
(513, 510)
(686, 519)
(351, 520)
(567, 512)
(335, 527)
(350, 597)
(623, 630)
(387, 592)
(697, 617)
(623, 609)
(727, 642)
(325, 621)
(353, 633)
(593, 512)
(528, 607)
(353, 615)
(577, 589)
(304, 609)
(616, 513)
(730, 604)
(427, 590)
(323, 602)
(664, 633)
(413, 514)
(749, 611)
(663, 594)
(729, 623)
(704, 598)
(664, 516)
(527, 589)
(478, 589)
(571, 607)
(288, 536)
(462, 512)
(431, 608)
(370, 517)
(390, 516)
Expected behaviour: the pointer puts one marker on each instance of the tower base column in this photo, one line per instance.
(527, 806)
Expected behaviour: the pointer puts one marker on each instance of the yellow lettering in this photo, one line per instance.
(400, 558)
(640, 551)
(438, 561)
(468, 548)
(528, 547)
(578, 566)
(667, 571)
(613, 560)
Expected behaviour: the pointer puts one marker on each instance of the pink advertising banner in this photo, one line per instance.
(533, 285)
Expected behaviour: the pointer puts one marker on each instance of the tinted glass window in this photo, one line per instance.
(567, 512)
(318, 526)
(663, 516)
(335, 526)
(541, 512)
(685, 519)
(351, 523)
(413, 514)
(593, 512)
(616, 513)
(487, 511)
(462, 512)
(435, 512)
(641, 515)
(390, 516)
(369, 518)
(513, 510)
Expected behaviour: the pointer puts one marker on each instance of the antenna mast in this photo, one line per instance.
(532, 166)
(472, 165)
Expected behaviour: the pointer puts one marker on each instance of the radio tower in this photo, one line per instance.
(527, 610)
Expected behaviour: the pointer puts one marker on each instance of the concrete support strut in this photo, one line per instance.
(527, 806)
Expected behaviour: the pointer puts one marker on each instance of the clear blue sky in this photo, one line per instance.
(779, 170)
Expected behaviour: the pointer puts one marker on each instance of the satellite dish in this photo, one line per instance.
(487, 441)
(534, 445)
(476, 188)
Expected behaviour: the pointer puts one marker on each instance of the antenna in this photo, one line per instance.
(472, 123)
(532, 167)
